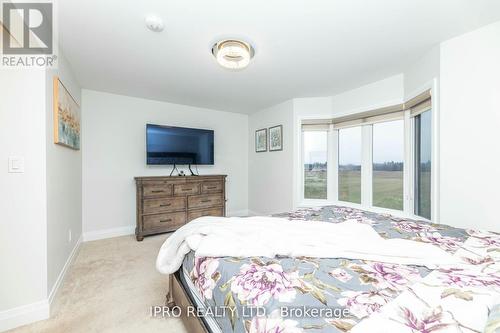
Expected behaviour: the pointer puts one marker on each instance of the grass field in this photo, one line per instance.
(424, 207)
(315, 184)
(350, 186)
(387, 188)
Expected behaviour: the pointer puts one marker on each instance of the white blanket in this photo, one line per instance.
(269, 237)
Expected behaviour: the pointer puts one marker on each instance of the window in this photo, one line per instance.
(388, 161)
(349, 188)
(379, 159)
(315, 164)
(423, 150)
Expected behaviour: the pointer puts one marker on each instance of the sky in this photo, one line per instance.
(315, 145)
(388, 143)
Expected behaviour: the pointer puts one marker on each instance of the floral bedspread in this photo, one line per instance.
(278, 295)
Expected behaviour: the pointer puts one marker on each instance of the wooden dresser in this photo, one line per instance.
(166, 203)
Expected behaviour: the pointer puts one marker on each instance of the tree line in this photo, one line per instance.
(386, 166)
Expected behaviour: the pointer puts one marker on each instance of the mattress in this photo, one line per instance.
(303, 294)
(195, 296)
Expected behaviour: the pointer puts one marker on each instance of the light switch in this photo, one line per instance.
(16, 164)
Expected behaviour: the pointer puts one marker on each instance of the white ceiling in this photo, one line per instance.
(303, 48)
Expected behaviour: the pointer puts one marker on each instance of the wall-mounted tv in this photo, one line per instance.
(179, 145)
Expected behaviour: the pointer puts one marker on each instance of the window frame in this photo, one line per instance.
(414, 177)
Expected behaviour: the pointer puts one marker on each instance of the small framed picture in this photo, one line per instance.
(261, 140)
(276, 138)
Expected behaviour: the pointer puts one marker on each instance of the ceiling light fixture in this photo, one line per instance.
(233, 54)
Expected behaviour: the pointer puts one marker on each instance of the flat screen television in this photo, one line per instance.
(179, 145)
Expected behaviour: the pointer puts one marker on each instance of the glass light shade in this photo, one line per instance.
(233, 54)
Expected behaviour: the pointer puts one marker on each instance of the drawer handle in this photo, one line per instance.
(206, 200)
(158, 191)
(163, 221)
(165, 205)
(212, 187)
(187, 189)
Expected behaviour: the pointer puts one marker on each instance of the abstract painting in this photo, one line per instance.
(66, 117)
(261, 140)
(276, 138)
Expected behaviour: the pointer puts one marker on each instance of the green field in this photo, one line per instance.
(387, 187)
(350, 186)
(315, 184)
(424, 208)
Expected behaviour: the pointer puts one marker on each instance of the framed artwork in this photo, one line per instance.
(66, 117)
(261, 140)
(276, 138)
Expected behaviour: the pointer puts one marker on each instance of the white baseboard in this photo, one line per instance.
(33, 312)
(108, 233)
(243, 212)
(254, 213)
(124, 231)
(23, 315)
(63, 272)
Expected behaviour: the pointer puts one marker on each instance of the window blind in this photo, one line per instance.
(395, 115)
(422, 107)
(416, 105)
(316, 124)
(420, 103)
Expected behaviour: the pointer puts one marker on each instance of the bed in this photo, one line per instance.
(304, 294)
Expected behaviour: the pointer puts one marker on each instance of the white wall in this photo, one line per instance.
(418, 76)
(64, 183)
(313, 107)
(386, 92)
(271, 181)
(23, 227)
(114, 153)
(470, 136)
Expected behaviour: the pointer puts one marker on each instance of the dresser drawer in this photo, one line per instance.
(212, 187)
(157, 190)
(206, 212)
(170, 221)
(186, 189)
(205, 201)
(152, 206)
(164, 204)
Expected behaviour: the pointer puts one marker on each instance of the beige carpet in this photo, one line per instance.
(111, 287)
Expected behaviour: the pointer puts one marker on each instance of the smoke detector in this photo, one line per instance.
(154, 23)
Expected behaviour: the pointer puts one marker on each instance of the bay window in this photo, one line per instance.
(377, 159)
